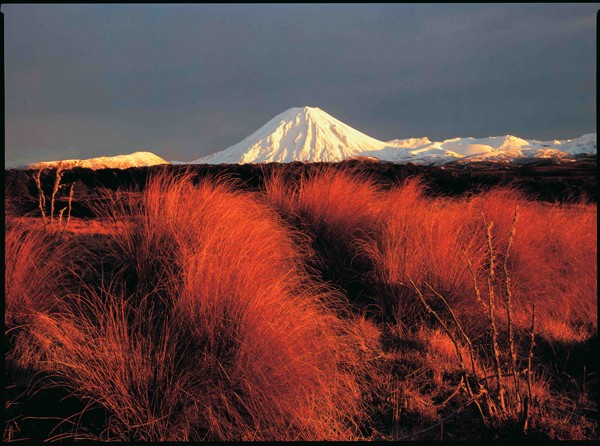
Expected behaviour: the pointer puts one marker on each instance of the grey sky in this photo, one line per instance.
(187, 80)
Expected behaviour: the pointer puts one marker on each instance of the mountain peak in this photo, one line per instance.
(305, 109)
(298, 134)
(310, 134)
(305, 113)
(308, 112)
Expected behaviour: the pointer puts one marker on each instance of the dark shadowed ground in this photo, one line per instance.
(543, 180)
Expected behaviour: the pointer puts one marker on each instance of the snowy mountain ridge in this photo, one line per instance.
(310, 134)
(136, 159)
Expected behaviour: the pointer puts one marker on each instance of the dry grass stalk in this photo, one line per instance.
(247, 348)
(492, 319)
(480, 300)
(57, 179)
(35, 268)
(225, 336)
(507, 280)
(60, 217)
(480, 390)
(41, 198)
(529, 399)
(508, 405)
(70, 204)
(443, 325)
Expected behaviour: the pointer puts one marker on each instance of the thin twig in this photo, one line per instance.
(456, 412)
(479, 299)
(469, 346)
(60, 217)
(447, 400)
(444, 327)
(458, 325)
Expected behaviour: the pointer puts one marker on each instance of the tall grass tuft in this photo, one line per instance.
(554, 265)
(35, 270)
(336, 207)
(423, 239)
(222, 335)
(552, 262)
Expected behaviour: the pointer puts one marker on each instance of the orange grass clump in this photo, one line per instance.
(335, 208)
(332, 203)
(224, 335)
(552, 263)
(35, 267)
(552, 260)
(422, 239)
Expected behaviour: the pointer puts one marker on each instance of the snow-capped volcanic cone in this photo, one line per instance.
(311, 135)
(137, 159)
(298, 134)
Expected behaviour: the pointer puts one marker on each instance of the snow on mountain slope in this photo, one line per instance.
(534, 149)
(410, 143)
(552, 143)
(517, 155)
(309, 134)
(298, 134)
(427, 154)
(424, 151)
(587, 143)
(506, 148)
(471, 146)
(584, 144)
(136, 159)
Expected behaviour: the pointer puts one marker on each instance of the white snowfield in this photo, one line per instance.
(311, 135)
(136, 159)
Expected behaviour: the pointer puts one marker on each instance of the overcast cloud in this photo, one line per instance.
(187, 80)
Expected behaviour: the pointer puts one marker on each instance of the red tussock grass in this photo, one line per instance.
(224, 337)
(335, 207)
(215, 326)
(421, 239)
(552, 261)
(35, 269)
(332, 203)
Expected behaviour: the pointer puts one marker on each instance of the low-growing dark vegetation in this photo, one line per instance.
(544, 180)
(299, 302)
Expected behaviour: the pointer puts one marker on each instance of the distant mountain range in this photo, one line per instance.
(309, 134)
